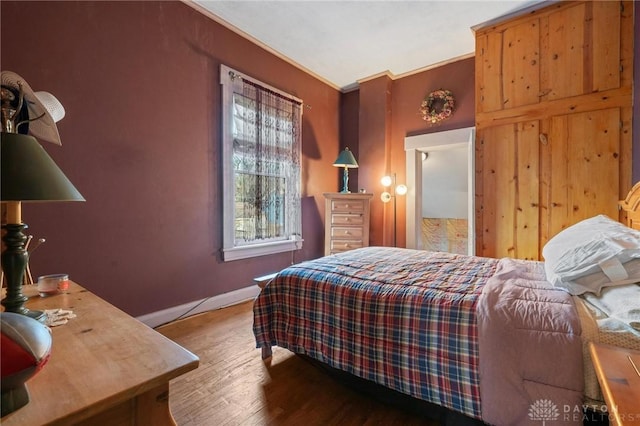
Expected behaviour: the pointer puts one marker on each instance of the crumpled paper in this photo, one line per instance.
(56, 317)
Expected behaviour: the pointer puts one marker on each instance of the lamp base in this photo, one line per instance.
(14, 262)
(39, 316)
(345, 182)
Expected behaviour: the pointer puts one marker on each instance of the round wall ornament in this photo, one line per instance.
(437, 106)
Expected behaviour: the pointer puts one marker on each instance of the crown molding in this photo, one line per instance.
(257, 42)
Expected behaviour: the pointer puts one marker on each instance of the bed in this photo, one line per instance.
(499, 341)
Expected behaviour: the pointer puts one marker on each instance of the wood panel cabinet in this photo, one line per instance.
(346, 221)
(553, 123)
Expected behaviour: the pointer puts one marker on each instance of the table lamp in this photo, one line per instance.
(28, 174)
(348, 161)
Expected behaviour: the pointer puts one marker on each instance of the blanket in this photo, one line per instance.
(530, 349)
(405, 319)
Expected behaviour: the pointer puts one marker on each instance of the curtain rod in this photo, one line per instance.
(262, 86)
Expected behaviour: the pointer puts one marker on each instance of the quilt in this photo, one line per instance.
(402, 318)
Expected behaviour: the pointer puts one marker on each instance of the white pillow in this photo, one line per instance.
(592, 254)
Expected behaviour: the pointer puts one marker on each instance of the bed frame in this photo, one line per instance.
(631, 205)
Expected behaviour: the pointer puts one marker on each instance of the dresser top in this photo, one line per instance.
(332, 195)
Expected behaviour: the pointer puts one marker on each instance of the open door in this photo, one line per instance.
(440, 181)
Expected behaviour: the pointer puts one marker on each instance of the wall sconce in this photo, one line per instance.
(389, 181)
(348, 161)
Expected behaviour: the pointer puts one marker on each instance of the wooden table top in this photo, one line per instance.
(99, 359)
(619, 377)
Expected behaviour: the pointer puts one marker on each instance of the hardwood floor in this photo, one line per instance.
(233, 386)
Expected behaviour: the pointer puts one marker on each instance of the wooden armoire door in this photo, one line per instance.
(553, 122)
(583, 152)
(509, 160)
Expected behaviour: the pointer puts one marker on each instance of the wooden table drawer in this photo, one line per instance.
(347, 219)
(351, 206)
(344, 245)
(347, 232)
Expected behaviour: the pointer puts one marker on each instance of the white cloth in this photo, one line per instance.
(57, 317)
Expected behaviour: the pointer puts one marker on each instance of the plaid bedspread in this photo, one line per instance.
(402, 318)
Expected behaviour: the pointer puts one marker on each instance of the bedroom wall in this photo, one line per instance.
(403, 119)
(636, 95)
(140, 84)
(445, 179)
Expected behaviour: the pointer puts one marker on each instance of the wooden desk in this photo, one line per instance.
(619, 381)
(106, 368)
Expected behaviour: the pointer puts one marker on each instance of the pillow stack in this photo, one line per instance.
(592, 254)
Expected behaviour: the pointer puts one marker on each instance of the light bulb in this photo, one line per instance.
(386, 181)
(385, 197)
(401, 189)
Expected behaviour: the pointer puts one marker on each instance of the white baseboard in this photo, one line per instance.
(154, 319)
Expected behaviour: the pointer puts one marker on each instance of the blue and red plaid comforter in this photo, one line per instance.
(402, 318)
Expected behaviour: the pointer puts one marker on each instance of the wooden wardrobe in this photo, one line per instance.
(553, 122)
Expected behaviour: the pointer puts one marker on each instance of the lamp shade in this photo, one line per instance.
(30, 174)
(346, 159)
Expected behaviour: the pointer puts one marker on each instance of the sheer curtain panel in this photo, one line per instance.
(261, 168)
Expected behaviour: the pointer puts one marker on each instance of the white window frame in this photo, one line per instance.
(230, 250)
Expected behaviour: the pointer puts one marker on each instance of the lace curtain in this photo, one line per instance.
(266, 164)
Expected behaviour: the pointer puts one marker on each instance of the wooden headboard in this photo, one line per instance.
(631, 205)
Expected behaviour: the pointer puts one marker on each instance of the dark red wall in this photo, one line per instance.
(141, 141)
(382, 153)
(409, 92)
(636, 94)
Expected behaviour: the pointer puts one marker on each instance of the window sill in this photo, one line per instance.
(254, 250)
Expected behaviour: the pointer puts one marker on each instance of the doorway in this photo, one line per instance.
(441, 191)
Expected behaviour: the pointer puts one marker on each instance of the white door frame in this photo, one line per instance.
(414, 147)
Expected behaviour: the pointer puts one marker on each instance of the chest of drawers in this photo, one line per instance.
(346, 221)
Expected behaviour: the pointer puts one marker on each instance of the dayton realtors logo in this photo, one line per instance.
(543, 409)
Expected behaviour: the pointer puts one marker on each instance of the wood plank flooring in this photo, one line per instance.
(233, 386)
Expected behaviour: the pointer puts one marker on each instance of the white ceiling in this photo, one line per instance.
(345, 41)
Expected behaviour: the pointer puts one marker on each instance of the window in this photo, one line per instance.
(261, 168)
